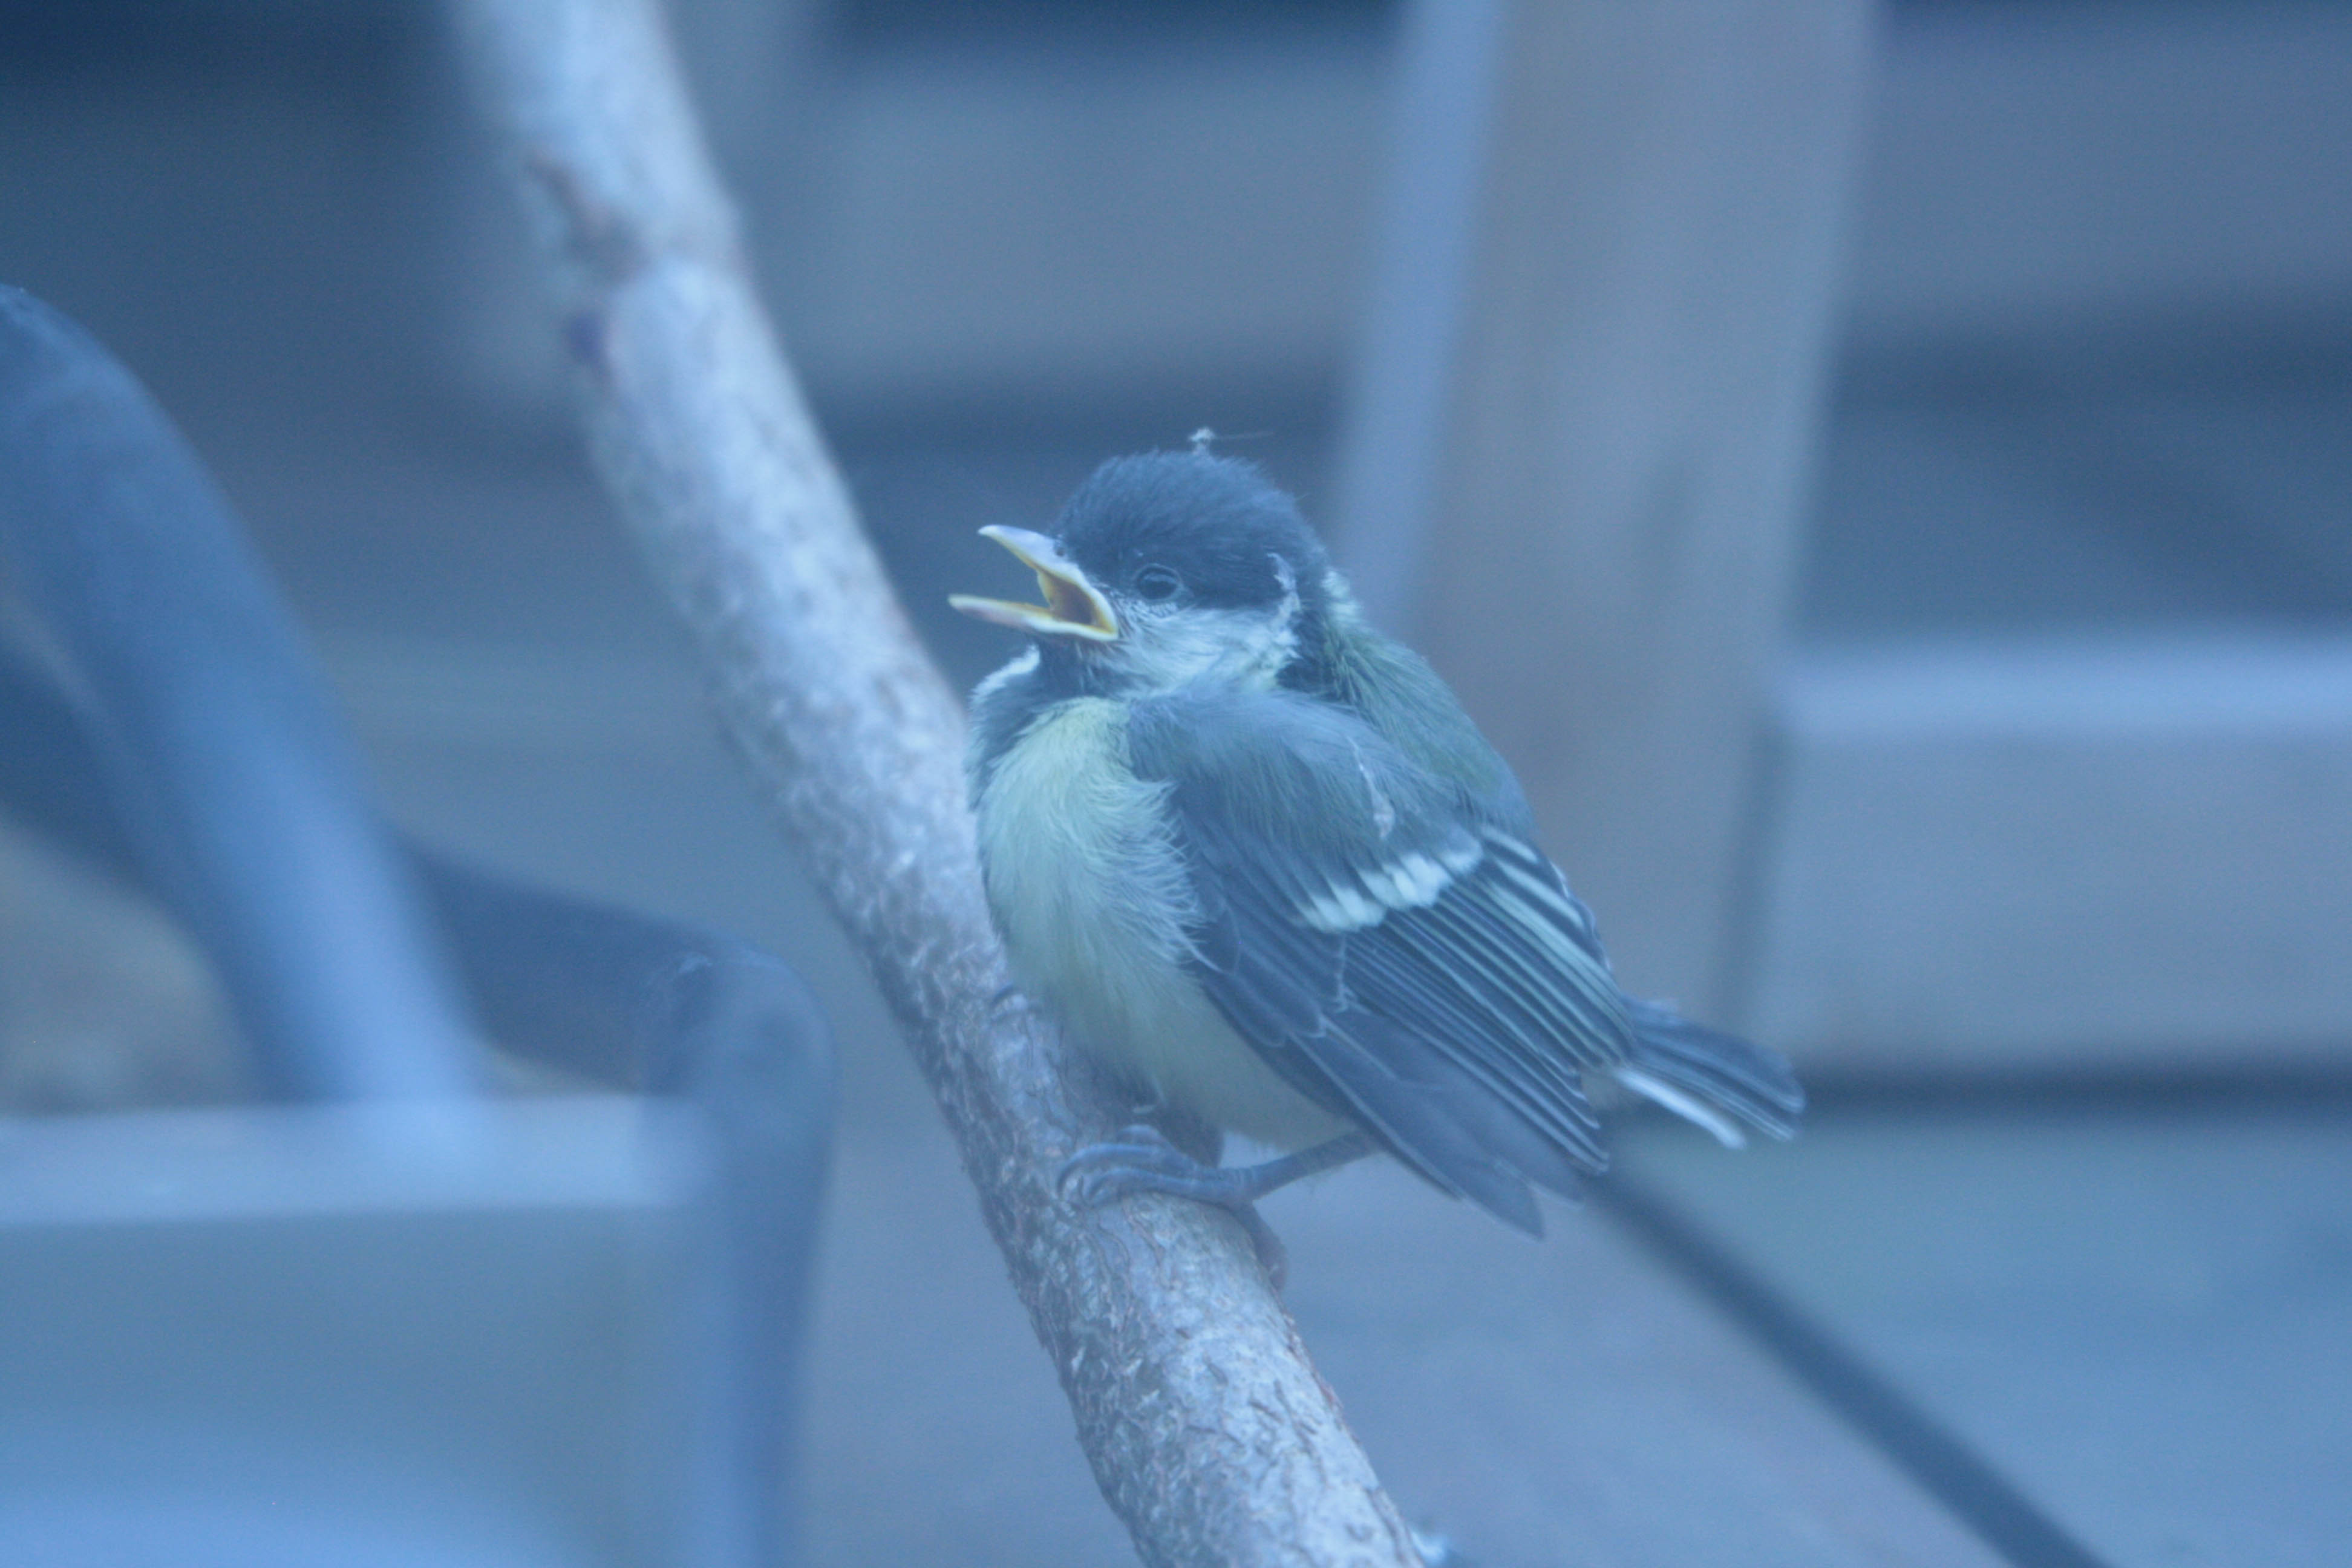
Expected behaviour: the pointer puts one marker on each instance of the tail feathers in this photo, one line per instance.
(1716, 1079)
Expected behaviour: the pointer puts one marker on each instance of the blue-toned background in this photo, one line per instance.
(2016, 804)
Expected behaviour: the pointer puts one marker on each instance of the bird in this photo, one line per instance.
(1253, 856)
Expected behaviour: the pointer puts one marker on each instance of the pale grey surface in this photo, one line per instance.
(2089, 484)
(2127, 852)
(1171, 210)
(284, 1336)
(936, 1430)
(2045, 164)
(2144, 1318)
(1566, 1403)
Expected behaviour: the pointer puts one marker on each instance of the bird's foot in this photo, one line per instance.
(1141, 1159)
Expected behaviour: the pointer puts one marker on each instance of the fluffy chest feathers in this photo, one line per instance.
(1093, 902)
(1082, 874)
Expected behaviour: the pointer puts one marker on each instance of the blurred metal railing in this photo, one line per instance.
(152, 1411)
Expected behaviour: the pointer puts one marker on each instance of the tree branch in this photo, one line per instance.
(1209, 1431)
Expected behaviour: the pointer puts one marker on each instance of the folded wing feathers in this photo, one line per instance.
(1513, 1071)
(1478, 955)
(1434, 975)
(1539, 881)
(1359, 897)
(1498, 990)
(1717, 1070)
(1571, 1003)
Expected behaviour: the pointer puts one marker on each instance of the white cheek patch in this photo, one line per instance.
(1163, 654)
(1244, 648)
(1023, 663)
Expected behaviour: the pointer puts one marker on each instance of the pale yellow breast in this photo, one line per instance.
(1093, 899)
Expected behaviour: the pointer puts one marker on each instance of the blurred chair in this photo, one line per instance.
(385, 1320)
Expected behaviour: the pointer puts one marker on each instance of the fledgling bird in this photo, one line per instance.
(1254, 854)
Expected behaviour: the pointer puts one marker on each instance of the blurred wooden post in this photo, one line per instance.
(1581, 420)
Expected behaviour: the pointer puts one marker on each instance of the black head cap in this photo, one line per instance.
(1217, 523)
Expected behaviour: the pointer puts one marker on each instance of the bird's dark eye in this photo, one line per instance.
(1158, 582)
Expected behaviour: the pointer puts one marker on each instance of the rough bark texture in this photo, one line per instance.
(1208, 1429)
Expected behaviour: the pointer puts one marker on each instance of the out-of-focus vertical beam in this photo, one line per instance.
(1576, 487)
(1447, 76)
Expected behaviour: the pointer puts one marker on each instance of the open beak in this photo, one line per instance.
(1074, 607)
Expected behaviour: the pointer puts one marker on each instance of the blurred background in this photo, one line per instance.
(1883, 474)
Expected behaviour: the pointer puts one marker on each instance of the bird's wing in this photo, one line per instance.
(1384, 943)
